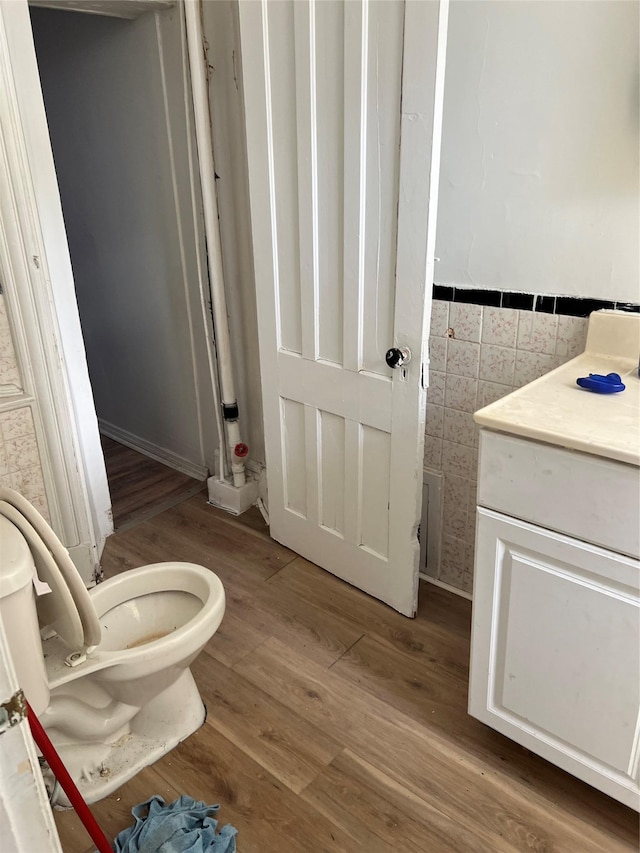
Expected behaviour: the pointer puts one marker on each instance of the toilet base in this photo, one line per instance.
(99, 769)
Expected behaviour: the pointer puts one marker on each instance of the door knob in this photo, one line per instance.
(398, 356)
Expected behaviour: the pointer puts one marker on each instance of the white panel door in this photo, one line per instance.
(343, 109)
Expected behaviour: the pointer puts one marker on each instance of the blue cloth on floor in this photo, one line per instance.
(184, 826)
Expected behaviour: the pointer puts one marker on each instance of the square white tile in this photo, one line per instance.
(435, 419)
(436, 389)
(490, 392)
(439, 318)
(454, 521)
(497, 364)
(438, 354)
(432, 452)
(4, 320)
(461, 392)
(466, 321)
(6, 344)
(467, 578)
(499, 326)
(22, 453)
(454, 560)
(457, 459)
(537, 331)
(9, 373)
(456, 493)
(459, 427)
(16, 423)
(531, 365)
(463, 358)
(572, 336)
(472, 517)
(4, 463)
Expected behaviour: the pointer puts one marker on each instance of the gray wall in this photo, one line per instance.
(120, 143)
(539, 180)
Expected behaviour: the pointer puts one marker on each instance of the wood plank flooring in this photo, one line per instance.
(141, 487)
(336, 725)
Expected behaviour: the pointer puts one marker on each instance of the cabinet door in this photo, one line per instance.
(555, 657)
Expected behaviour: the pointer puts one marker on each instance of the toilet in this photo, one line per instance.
(106, 670)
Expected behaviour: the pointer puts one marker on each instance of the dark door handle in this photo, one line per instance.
(397, 357)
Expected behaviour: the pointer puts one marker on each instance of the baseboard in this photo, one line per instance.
(447, 586)
(153, 451)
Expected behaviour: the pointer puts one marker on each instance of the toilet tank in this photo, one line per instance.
(19, 616)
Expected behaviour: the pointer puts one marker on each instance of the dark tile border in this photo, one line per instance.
(580, 307)
(545, 304)
(442, 292)
(569, 306)
(521, 301)
(478, 297)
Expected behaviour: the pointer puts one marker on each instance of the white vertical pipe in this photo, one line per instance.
(197, 61)
(203, 273)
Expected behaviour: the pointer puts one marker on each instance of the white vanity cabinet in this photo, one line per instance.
(555, 661)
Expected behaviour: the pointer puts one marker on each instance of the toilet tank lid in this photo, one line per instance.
(16, 562)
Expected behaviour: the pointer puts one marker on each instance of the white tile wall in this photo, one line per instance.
(432, 452)
(530, 365)
(438, 353)
(571, 336)
(497, 364)
(478, 354)
(537, 332)
(499, 326)
(461, 392)
(437, 387)
(435, 420)
(9, 373)
(466, 320)
(458, 426)
(463, 357)
(439, 318)
(20, 466)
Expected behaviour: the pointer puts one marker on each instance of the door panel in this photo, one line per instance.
(343, 109)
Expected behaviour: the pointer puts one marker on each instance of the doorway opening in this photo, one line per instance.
(141, 487)
(118, 107)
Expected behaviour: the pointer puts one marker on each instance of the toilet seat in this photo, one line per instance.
(68, 608)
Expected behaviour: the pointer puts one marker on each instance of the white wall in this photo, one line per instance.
(539, 185)
(120, 144)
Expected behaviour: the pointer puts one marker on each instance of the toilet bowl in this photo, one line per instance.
(110, 682)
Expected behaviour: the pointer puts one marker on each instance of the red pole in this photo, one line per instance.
(68, 785)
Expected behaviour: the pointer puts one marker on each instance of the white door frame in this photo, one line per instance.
(40, 291)
(41, 297)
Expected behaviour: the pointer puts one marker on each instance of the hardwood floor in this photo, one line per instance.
(141, 487)
(335, 724)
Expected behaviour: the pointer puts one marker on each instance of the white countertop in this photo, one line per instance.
(555, 410)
